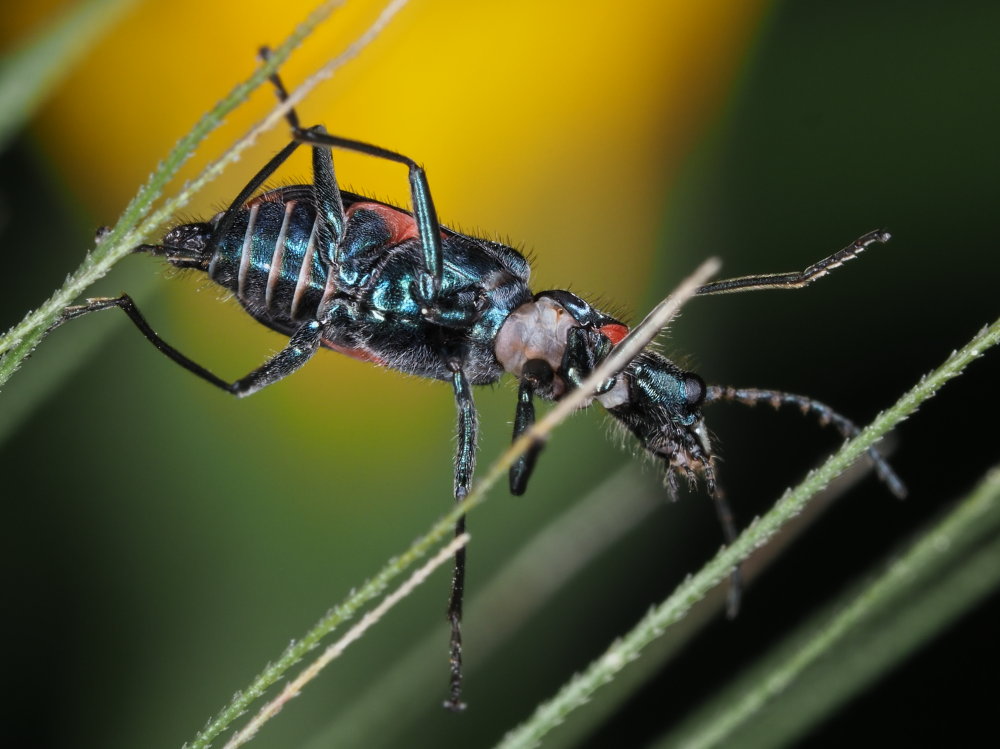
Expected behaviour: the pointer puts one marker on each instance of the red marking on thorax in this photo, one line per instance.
(355, 353)
(614, 332)
(401, 225)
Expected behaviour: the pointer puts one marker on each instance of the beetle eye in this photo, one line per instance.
(694, 390)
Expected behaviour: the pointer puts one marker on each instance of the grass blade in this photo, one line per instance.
(949, 569)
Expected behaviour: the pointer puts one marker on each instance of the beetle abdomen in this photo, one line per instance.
(272, 261)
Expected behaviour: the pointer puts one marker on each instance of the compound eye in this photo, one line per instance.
(694, 390)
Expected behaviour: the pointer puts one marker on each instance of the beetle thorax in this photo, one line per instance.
(536, 330)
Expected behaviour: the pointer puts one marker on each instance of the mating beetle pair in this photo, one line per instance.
(331, 269)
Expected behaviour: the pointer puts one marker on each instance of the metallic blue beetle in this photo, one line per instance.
(332, 269)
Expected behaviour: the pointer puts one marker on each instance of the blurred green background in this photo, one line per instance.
(162, 542)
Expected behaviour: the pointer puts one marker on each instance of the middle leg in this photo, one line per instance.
(465, 464)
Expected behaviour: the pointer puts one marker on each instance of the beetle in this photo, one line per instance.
(333, 269)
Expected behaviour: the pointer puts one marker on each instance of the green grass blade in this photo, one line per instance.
(555, 554)
(846, 647)
(295, 686)
(346, 609)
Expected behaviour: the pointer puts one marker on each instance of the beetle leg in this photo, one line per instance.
(302, 345)
(326, 193)
(428, 228)
(535, 373)
(465, 464)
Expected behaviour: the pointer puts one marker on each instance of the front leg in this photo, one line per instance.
(585, 349)
(535, 374)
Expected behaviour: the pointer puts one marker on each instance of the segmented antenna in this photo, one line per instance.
(826, 416)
